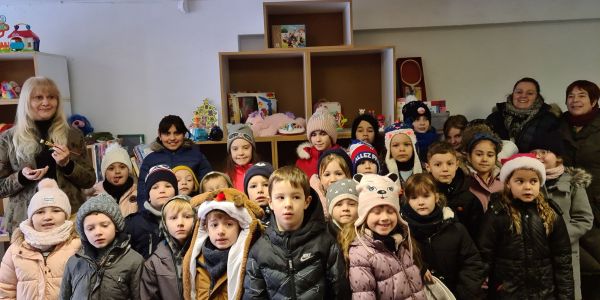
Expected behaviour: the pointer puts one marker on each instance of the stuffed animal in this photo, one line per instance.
(82, 123)
(10, 90)
(269, 125)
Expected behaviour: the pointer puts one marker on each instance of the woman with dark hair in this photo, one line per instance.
(171, 148)
(366, 128)
(453, 128)
(523, 115)
(580, 130)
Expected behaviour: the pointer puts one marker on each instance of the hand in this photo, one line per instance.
(34, 174)
(61, 154)
(428, 277)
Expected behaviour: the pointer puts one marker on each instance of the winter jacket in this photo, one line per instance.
(532, 265)
(26, 274)
(308, 158)
(188, 154)
(377, 273)
(127, 202)
(159, 276)
(315, 184)
(116, 277)
(569, 193)
(465, 204)
(302, 264)
(81, 177)
(237, 178)
(451, 255)
(424, 140)
(483, 190)
(142, 227)
(544, 121)
(203, 289)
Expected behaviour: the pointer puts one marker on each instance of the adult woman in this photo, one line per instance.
(580, 130)
(171, 148)
(523, 115)
(24, 160)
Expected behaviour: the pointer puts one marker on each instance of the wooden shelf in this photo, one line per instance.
(4, 101)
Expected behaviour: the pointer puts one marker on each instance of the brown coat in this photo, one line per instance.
(203, 290)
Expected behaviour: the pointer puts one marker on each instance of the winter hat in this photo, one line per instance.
(546, 141)
(390, 162)
(522, 161)
(214, 174)
(103, 203)
(239, 131)
(49, 194)
(323, 120)
(360, 151)
(335, 151)
(411, 111)
(374, 190)
(183, 167)
(340, 190)
(489, 136)
(115, 153)
(261, 168)
(160, 173)
(508, 149)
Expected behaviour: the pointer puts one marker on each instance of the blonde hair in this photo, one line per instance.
(176, 206)
(291, 174)
(212, 175)
(325, 161)
(26, 135)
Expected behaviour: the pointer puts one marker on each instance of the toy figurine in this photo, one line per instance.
(3, 26)
(82, 123)
(10, 89)
(340, 119)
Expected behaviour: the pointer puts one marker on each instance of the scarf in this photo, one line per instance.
(515, 118)
(117, 191)
(582, 120)
(44, 240)
(215, 261)
(152, 210)
(422, 227)
(554, 173)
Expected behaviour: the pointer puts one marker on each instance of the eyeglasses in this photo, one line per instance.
(238, 134)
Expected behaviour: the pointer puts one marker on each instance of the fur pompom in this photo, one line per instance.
(301, 151)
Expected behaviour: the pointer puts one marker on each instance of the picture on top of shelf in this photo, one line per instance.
(288, 36)
(410, 78)
(242, 104)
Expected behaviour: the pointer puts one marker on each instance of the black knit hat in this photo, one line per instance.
(339, 152)
(547, 141)
(411, 111)
(160, 173)
(260, 168)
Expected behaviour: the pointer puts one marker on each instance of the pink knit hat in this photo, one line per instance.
(322, 120)
(374, 190)
(49, 194)
(522, 161)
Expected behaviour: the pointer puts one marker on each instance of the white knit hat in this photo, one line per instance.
(323, 120)
(522, 161)
(390, 162)
(49, 194)
(115, 153)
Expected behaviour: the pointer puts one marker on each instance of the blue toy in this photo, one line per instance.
(82, 123)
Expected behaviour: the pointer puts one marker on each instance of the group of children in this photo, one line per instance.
(364, 223)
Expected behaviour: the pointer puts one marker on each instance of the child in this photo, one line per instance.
(241, 150)
(33, 265)
(256, 186)
(322, 135)
(365, 128)
(523, 241)
(442, 163)
(143, 225)
(566, 186)
(482, 150)
(400, 156)
(228, 225)
(187, 183)
(296, 257)
(447, 250)
(118, 179)
(453, 128)
(334, 164)
(381, 253)
(161, 274)
(418, 115)
(106, 267)
(364, 158)
(215, 180)
(343, 203)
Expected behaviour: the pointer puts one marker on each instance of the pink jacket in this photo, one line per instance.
(25, 275)
(377, 273)
(482, 190)
(127, 203)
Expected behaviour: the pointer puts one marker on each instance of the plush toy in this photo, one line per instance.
(82, 123)
(269, 125)
(10, 90)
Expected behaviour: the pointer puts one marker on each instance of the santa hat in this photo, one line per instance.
(390, 162)
(323, 120)
(359, 152)
(520, 161)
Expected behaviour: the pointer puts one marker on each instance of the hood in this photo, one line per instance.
(119, 245)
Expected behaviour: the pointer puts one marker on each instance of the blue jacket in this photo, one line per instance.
(143, 227)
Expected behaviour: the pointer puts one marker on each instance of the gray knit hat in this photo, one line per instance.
(340, 190)
(239, 131)
(103, 203)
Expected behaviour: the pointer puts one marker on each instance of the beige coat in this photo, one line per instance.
(127, 203)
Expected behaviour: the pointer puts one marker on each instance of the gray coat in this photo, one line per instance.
(159, 276)
(116, 277)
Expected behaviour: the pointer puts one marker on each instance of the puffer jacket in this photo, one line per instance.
(127, 203)
(144, 231)
(81, 177)
(308, 158)
(188, 154)
(483, 190)
(302, 264)
(26, 274)
(532, 265)
(465, 204)
(116, 277)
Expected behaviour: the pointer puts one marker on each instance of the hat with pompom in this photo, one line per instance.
(411, 111)
(322, 120)
(520, 161)
(115, 153)
(49, 194)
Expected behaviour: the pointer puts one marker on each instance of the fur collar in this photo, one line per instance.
(304, 150)
(156, 146)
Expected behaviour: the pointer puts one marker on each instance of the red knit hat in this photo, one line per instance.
(359, 152)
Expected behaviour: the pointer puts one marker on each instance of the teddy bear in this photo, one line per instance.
(270, 125)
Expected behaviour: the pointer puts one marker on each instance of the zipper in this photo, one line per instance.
(291, 267)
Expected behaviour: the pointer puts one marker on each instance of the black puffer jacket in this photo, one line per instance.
(302, 264)
(143, 228)
(465, 204)
(532, 265)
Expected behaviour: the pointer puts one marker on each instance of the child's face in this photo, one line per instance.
(382, 219)
(421, 124)
(332, 173)
(160, 193)
(258, 190)
(423, 204)
(367, 167)
(185, 182)
(320, 140)
(288, 204)
(48, 218)
(454, 137)
(443, 167)
(117, 173)
(223, 230)
(365, 132)
(172, 140)
(241, 152)
(548, 158)
(345, 211)
(180, 223)
(214, 184)
(524, 185)
(99, 230)
(401, 148)
(483, 157)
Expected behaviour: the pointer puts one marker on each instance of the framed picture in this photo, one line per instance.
(410, 78)
(129, 141)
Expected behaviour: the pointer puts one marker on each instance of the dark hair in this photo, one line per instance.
(171, 120)
(440, 147)
(378, 141)
(422, 183)
(530, 80)
(456, 121)
(590, 87)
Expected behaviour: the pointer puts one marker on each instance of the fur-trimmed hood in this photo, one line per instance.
(156, 146)
(306, 150)
(579, 177)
